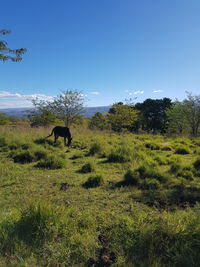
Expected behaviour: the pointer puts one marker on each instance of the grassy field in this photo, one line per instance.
(109, 200)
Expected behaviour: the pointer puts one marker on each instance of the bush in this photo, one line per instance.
(187, 174)
(197, 164)
(40, 154)
(14, 145)
(35, 223)
(152, 146)
(93, 181)
(77, 155)
(96, 148)
(24, 157)
(131, 177)
(161, 160)
(88, 167)
(25, 146)
(147, 171)
(166, 148)
(122, 154)
(175, 167)
(3, 142)
(51, 162)
(183, 150)
(149, 184)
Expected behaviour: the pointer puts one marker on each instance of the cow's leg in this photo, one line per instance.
(56, 138)
(65, 141)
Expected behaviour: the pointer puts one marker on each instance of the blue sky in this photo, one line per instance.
(108, 49)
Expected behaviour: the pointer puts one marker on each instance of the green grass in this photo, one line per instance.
(136, 205)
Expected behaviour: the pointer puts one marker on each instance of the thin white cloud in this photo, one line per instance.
(95, 93)
(157, 91)
(6, 95)
(14, 100)
(136, 93)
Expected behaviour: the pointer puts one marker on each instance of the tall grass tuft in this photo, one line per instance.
(51, 162)
(94, 181)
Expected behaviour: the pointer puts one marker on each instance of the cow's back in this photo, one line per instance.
(61, 131)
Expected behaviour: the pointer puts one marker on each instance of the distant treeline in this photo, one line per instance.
(155, 116)
(152, 116)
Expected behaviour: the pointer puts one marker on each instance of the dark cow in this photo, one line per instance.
(63, 132)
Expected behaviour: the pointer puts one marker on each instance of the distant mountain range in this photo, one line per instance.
(22, 112)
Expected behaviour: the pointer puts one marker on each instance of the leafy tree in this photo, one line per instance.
(191, 111)
(67, 106)
(9, 54)
(42, 114)
(98, 121)
(153, 114)
(122, 117)
(114, 107)
(177, 122)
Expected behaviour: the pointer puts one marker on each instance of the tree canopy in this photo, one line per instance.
(7, 53)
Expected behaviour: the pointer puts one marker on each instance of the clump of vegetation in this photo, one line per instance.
(94, 181)
(152, 146)
(35, 223)
(24, 157)
(14, 145)
(182, 195)
(26, 146)
(77, 155)
(187, 174)
(121, 154)
(197, 164)
(149, 184)
(51, 162)
(131, 177)
(40, 154)
(3, 142)
(88, 167)
(183, 150)
(161, 160)
(166, 148)
(148, 171)
(97, 148)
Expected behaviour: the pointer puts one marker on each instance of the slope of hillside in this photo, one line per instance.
(22, 112)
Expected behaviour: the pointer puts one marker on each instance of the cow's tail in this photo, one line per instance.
(50, 134)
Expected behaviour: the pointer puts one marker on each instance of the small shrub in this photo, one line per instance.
(3, 142)
(25, 146)
(121, 154)
(93, 181)
(166, 148)
(175, 167)
(96, 148)
(24, 157)
(183, 150)
(14, 145)
(40, 154)
(187, 174)
(197, 164)
(35, 223)
(161, 160)
(152, 146)
(77, 155)
(131, 177)
(51, 162)
(149, 184)
(88, 167)
(147, 171)
(3, 145)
